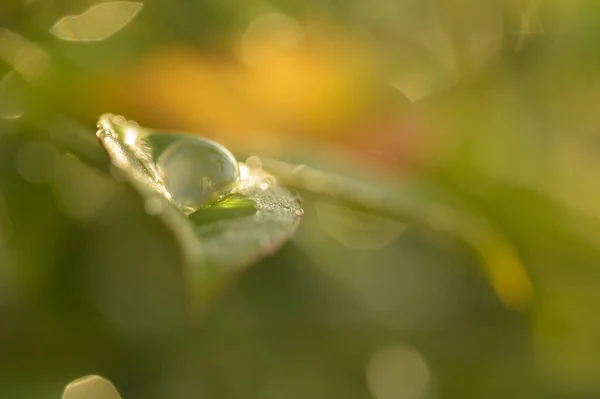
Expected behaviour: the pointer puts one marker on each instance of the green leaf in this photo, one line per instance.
(226, 215)
(432, 204)
(97, 23)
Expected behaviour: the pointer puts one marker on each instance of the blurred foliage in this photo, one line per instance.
(445, 152)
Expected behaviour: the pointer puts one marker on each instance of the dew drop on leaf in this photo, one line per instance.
(197, 171)
(207, 199)
(189, 171)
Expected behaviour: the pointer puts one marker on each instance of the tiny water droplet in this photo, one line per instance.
(299, 212)
(187, 209)
(266, 182)
(118, 119)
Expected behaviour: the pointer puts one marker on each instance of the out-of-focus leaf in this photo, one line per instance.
(11, 96)
(26, 57)
(91, 387)
(96, 23)
(426, 204)
(226, 218)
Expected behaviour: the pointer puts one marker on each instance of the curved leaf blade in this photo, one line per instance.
(219, 239)
(431, 205)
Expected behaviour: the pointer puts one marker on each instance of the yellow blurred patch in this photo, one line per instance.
(506, 273)
(314, 84)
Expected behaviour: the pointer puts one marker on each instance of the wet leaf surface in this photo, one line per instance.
(225, 220)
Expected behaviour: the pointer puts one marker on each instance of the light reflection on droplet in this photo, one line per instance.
(244, 172)
(266, 182)
(253, 178)
(36, 161)
(91, 387)
(131, 135)
(398, 372)
(97, 23)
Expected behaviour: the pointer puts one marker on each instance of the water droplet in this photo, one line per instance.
(197, 171)
(299, 212)
(189, 171)
(119, 119)
(266, 182)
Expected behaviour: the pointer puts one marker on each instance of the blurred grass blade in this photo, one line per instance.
(97, 23)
